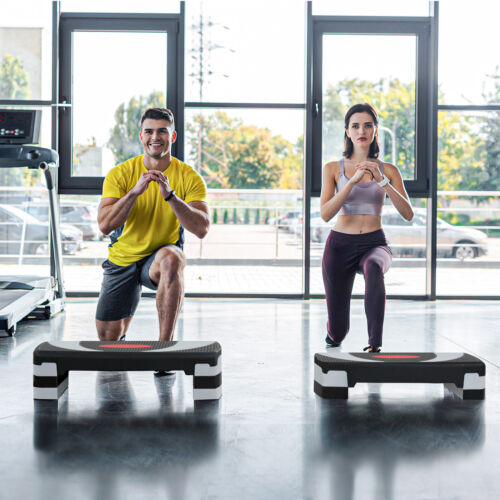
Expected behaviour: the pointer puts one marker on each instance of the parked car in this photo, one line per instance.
(287, 220)
(80, 214)
(296, 226)
(409, 237)
(18, 228)
(320, 229)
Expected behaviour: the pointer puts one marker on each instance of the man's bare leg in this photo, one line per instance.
(167, 271)
(112, 330)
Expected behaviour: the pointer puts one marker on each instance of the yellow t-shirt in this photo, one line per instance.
(152, 222)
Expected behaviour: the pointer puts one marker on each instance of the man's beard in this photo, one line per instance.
(158, 156)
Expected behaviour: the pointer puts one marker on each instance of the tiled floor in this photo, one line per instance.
(131, 436)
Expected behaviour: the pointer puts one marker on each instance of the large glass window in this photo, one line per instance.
(26, 50)
(251, 156)
(394, 78)
(104, 60)
(469, 62)
(370, 8)
(123, 6)
(468, 203)
(24, 243)
(252, 162)
(244, 51)
(388, 83)
(107, 101)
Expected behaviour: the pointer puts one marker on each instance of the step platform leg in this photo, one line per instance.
(48, 382)
(473, 387)
(207, 381)
(330, 385)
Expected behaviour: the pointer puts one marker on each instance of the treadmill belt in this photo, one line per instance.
(10, 296)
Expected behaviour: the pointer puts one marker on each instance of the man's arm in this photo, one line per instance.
(194, 216)
(113, 212)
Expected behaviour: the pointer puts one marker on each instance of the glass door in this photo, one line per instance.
(381, 62)
(112, 69)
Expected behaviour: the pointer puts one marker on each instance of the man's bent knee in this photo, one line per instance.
(168, 261)
(112, 330)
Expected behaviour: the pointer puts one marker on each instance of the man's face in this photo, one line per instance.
(157, 138)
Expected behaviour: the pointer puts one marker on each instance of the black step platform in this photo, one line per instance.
(461, 373)
(53, 360)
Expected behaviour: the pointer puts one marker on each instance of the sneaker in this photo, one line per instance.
(164, 373)
(369, 348)
(331, 343)
(121, 339)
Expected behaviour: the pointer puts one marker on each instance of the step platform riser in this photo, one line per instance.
(53, 361)
(460, 373)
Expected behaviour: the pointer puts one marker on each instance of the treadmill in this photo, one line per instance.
(22, 296)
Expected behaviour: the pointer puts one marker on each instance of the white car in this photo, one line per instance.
(409, 237)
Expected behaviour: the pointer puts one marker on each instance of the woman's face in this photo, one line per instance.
(362, 129)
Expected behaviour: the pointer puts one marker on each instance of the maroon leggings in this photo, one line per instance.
(344, 256)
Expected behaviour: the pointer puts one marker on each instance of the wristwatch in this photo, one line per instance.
(169, 195)
(384, 181)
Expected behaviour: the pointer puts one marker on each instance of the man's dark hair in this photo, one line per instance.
(159, 114)
(348, 145)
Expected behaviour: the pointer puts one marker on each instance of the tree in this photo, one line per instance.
(490, 148)
(461, 159)
(124, 136)
(14, 84)
(14, 81)
(236, 155)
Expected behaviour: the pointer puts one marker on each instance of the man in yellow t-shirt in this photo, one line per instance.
(147, 201)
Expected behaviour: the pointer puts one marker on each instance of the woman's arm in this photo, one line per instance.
(395, 189)
(397, 192)
(331, 202)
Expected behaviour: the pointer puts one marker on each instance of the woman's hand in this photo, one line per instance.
(359, 173)
(372, 167)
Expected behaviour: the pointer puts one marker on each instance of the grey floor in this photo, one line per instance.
(131, 436)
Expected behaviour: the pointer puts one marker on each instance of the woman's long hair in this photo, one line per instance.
(348, 145)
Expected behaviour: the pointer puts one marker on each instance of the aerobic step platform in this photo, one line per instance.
(53, 360)
(461, 373)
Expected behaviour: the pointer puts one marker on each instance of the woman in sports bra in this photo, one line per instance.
(355, 188)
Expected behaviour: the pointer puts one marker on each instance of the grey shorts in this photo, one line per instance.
(121, 288)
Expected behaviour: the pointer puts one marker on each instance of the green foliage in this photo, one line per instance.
(235, 216)
(124, 136)
(14, 84)
(490, 149)
(235, 155)
(266, 216)
(460, 165)
(257, 216)
(247, 216)
(226, 217)
(14, 81)
(214, 216)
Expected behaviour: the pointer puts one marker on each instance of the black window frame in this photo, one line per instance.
(69, 22)
(421, 28)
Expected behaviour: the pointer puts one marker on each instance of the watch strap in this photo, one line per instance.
(385, 180)
(169, 195)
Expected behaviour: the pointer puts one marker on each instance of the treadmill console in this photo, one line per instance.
(21, 126)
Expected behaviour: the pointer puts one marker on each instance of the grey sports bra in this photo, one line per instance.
(365, 198)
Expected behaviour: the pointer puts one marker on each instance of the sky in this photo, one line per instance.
(261, 50)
